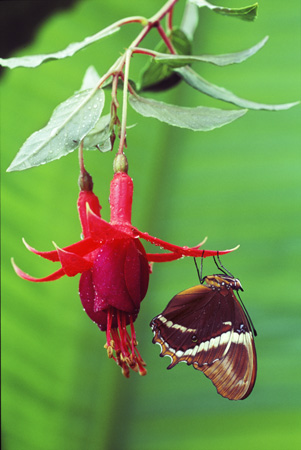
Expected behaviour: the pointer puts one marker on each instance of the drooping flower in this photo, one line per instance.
(114, 267)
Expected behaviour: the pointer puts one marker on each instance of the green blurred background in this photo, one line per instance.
(239, 184)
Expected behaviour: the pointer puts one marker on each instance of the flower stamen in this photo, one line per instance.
(121, 344)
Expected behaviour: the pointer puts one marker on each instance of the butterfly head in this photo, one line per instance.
(219, 281)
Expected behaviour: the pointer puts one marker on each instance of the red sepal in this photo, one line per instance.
(99, 227)
(181, 251)
(84, 198)
(54, 276)
(81, 248)
(73, 264)
(51, 256)
(163, 257)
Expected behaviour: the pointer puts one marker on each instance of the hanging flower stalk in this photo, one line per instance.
(113, 264)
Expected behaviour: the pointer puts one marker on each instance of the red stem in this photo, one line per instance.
(162, 13)
(166, 39)
(169, 19)
(144, 52)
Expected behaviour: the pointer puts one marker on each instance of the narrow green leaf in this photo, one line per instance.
(156, 77)
(90, 79)
(99, 136)
(219, 60)
(197, 119)
(202, 85)
(248, 13)
(190, 20)
(70, 122)
(36, 60)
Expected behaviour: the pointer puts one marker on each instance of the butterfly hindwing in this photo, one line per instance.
(206, 327)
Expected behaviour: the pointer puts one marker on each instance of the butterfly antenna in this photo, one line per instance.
(248, 315)
(200, 271)
(197, 269)
(220, 267)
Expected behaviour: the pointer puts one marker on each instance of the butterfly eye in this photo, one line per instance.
(194, 338)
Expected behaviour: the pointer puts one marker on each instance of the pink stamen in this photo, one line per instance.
(109, 325)
(122, 344)
(123, 349)
(133, 338)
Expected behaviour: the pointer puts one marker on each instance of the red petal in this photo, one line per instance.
(54, 276)
(109, 279)
(136, 271)
(87, 296)
(73, 264)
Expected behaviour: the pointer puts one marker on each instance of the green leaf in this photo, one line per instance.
(90, 79)
(197, 119)
(219, 60)
(59, 389)
(36, 60)
(190, 20)
(156, 77)
(248, 13)
(70, 122)
(197, 82)
(99, 136)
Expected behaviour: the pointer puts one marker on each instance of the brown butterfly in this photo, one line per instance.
(207, 327)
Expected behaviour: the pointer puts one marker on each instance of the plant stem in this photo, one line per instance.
(128, 55)
(124, 61)
(166, 39)
(81, 158)
(169, 19)
(164, 10)
(144, 51)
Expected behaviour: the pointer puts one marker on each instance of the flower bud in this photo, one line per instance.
(120, 163)
(85, 181)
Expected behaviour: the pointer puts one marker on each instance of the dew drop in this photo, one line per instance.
(54, 132)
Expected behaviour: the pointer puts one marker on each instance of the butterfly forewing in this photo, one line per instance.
(206, 327)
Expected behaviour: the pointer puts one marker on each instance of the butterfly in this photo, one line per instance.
(206, 326)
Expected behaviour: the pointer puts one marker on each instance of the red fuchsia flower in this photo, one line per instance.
(114, 267)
